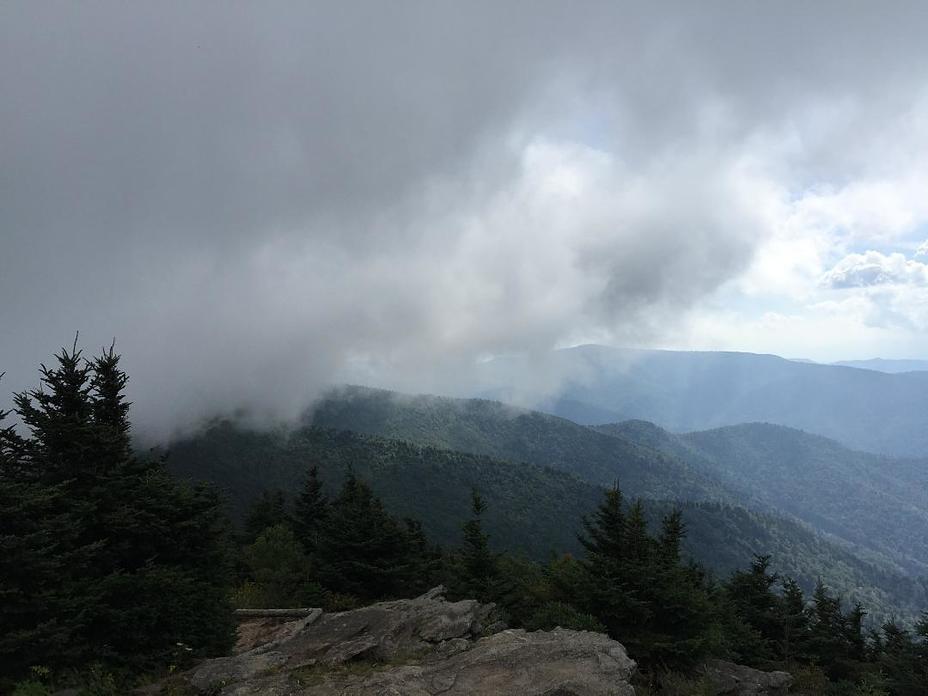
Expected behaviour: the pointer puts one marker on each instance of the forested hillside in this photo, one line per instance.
(531, 510)
(877, 504)
(517, 435)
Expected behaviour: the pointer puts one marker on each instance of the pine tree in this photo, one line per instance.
(638, 588)
(38, 549)
(111, 559)
(310, 511)
(672, 532)
(794, 622)
(269, 510)
(363, 551)
(604, 535)
(279, 573)
(757, 605)
(902, 660)
(479, 565)
(828, 636)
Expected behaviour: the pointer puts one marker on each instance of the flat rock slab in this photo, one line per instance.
(542, 663)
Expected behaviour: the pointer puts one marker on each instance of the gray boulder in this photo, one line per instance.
(417, 647)
(729, 679)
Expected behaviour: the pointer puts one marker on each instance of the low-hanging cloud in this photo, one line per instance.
(256, 200)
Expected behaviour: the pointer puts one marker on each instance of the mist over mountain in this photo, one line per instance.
(422, 453)
(317, 305)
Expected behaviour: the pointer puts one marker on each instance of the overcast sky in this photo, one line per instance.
(255, 198)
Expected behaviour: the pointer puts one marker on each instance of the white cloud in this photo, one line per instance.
(874, 268)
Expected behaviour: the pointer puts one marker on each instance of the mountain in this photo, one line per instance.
(531, 509)
(684, 391)
(504, 432)
(890, 366)
(876, 504)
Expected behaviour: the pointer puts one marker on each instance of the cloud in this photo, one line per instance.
(257, 201)
(873, 268)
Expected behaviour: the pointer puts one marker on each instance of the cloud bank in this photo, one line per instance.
(259, 200)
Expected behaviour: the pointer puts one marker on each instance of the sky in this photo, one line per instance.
(256, 199)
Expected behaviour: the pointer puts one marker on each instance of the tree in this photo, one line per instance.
(269, 510)
(752, 596)
(672, 532)
(363, 551)
(479, 565)
(794, 620)
(310, 511)
(279, 573)
(110, 559)
(637, 587)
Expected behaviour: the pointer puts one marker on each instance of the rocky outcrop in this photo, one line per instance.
(425, 647)
(729, 679)
(417, 647)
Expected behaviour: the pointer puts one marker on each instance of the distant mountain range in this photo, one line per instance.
(865, 409)
(877, 505)
(890, 366)
(855, 519)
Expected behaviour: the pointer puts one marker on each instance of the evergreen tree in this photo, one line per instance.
(828, 634)
(109, 558)
(479, 565)
(672, 532)
(902, 661)
(363, 551)
(752, 596)
(310, 510)
(279, 573)
(612, 595)
(794, 620)
(638, 588)
(269, 510)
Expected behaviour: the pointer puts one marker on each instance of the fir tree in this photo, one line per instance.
(794, 620)
(279, 573)
(638, 588)
(363, 551)
(269, 510)
(110, 558)
(310, 511)
(753, 598)
(479, 565)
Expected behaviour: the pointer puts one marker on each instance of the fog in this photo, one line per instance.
(259, 200)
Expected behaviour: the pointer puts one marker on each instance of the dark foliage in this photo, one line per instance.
(103, 557)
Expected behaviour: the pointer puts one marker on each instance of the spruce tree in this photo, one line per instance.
(794, 622)
(310, 511)
(756, 603)
(836, 640)
(363, 551)
(269, 510)
(638, 588)
(123, 562)
(279, 573)
(479, 565)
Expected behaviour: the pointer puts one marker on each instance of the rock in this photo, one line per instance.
(386, 631)
(270, 631)
(729, 679)
(417, 647)
(542, 663)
